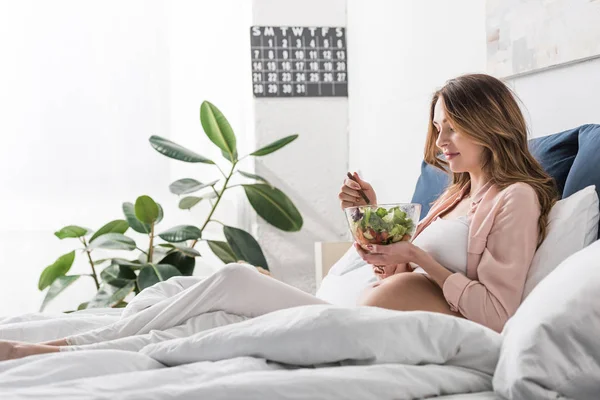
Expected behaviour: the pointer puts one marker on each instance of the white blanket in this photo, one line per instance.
(38, 327)
(312, 352)
(302, 352)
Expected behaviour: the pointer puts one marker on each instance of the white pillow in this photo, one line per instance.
(551, 345)
(346, 280)
(573, 224)
(348, 262)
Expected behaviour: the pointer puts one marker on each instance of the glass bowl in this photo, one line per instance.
(383, 224)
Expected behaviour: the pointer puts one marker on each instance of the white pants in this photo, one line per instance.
(232, 294)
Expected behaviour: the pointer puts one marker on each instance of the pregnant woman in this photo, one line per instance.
(469, 256)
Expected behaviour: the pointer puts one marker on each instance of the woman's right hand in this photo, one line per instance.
(349, 196)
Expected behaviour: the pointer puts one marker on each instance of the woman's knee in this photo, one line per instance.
(236, 269)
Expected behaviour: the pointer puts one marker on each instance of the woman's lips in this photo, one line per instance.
(450, 156)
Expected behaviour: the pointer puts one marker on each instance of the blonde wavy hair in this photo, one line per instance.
(485, 110)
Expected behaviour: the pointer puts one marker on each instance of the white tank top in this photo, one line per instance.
(446, 241)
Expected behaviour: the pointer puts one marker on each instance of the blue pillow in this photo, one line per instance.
(431, 184)
(556, 154)
(585, 170)
(571, 157)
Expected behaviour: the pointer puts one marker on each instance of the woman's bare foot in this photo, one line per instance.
(14, 350)
(7, 350)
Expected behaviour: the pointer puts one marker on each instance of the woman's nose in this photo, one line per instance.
(442, 140)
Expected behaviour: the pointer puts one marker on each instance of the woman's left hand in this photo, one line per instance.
(395, 253)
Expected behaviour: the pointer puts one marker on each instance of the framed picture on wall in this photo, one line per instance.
(524, 36)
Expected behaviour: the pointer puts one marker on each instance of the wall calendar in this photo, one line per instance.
(292, 61)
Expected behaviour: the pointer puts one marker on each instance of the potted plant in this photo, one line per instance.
(172, 252)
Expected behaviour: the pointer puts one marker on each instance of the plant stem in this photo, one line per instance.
(151, 248)
(219, 196)
(89, 254)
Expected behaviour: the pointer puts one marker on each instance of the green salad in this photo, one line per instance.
(381, 226)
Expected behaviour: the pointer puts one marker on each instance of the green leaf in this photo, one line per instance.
(153, 274)
(177, 152)
(188, 251)
(188, 202)
(135, 264)
(118, 275)
(181, 233)
(209, 195)
(274, 207)
(71, 231)
(245, 247)
(253, 176)
(109, 296)
(183, 263)
(59, 284)
(60, 267)
(113, 241)
(188, 185)
(278, 144)
(161, 214)
(116, 226)
(82, 306)
(218, 130)
(228, 156)
(222, 250)
(146, 210)
(134, 223)
(184, 186)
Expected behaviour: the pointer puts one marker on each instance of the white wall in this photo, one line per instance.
(83, 86)
(400, 52)
(209, 60)
(311, 169)
(560, 98)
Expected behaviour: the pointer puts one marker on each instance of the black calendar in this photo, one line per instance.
(292, 61)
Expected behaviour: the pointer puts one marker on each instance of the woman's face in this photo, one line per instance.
(462, 154)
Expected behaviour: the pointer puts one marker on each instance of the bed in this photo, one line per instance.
(572, 158)
(332, 351)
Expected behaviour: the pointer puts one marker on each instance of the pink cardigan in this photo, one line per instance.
(503, 236)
